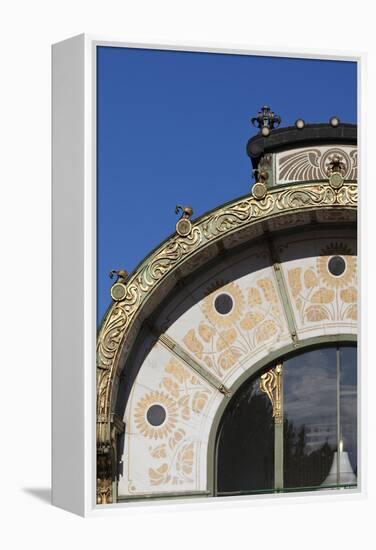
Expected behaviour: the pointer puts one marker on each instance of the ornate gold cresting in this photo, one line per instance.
(271, 384)
(140, 286)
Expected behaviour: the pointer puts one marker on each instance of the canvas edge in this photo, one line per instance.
(68, 380)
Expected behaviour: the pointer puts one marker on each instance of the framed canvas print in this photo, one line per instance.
(205, 275)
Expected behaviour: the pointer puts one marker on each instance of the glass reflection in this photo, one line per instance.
(245, 458)
(348, 411)
(317, 447)
(310, 417)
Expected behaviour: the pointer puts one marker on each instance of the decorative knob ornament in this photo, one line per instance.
(266, 120)
(118, 289)
(259, 189)
(334, 121)
(184, 225)
(336, 170)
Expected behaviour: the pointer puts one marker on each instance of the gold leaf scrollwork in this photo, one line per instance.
(306, 197)
(271, 384)
(347, 195)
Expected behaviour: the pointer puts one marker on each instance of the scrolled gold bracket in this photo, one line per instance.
(271, 384)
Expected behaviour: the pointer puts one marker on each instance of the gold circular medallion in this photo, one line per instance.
(183, 227)
(118, 291)
(259, 190)
(336, 180)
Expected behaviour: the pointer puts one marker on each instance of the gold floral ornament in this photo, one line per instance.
(349, 295)
(184, 462)
(329, 292)
(159, 475)
(352, 312)
(228, 358)
(193, 343)
(177, 371)
(323, 296)
(252, 319)
(232, 310)
(254, 297)
(343, 254)
(310, 278)
(294, 278)
(141, 415)
(265, 331)
(206, 331)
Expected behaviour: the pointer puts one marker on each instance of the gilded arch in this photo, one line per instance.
(226, 227)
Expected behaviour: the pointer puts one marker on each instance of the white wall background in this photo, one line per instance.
(27, 29)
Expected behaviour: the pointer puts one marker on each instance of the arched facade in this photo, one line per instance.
(266, 276)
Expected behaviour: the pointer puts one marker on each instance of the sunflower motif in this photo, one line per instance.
(224, 306)
(168, 418)
(347, 270)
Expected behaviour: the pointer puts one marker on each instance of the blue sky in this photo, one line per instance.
(172, 129)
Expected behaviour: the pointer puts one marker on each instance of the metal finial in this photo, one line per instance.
(186, 211)
(121, 274)
(336, 164)
(336, 170)
(266, 120)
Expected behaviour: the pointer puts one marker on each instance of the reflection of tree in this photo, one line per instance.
(246, 443)
(304, 467)
(245, 458)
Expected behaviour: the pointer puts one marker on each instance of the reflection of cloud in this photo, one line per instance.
(348, 406)
(310, 390)
(349, 421)
(310, 394)
(310, 398)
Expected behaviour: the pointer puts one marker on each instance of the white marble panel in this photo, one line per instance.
(167, 457)
(323, 303)
(313, 163)
(254, 323)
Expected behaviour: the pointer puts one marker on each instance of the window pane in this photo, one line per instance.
(245, 459)
(348, 414)
(317, 385)
(310, 417)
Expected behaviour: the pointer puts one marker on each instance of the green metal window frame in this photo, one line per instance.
(280, 356)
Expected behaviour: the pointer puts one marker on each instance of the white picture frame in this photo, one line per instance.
(74, 274)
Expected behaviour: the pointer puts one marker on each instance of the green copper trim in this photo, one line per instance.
(281, 285)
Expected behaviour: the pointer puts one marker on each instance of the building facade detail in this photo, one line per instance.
(266, 274)
(313, 163)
